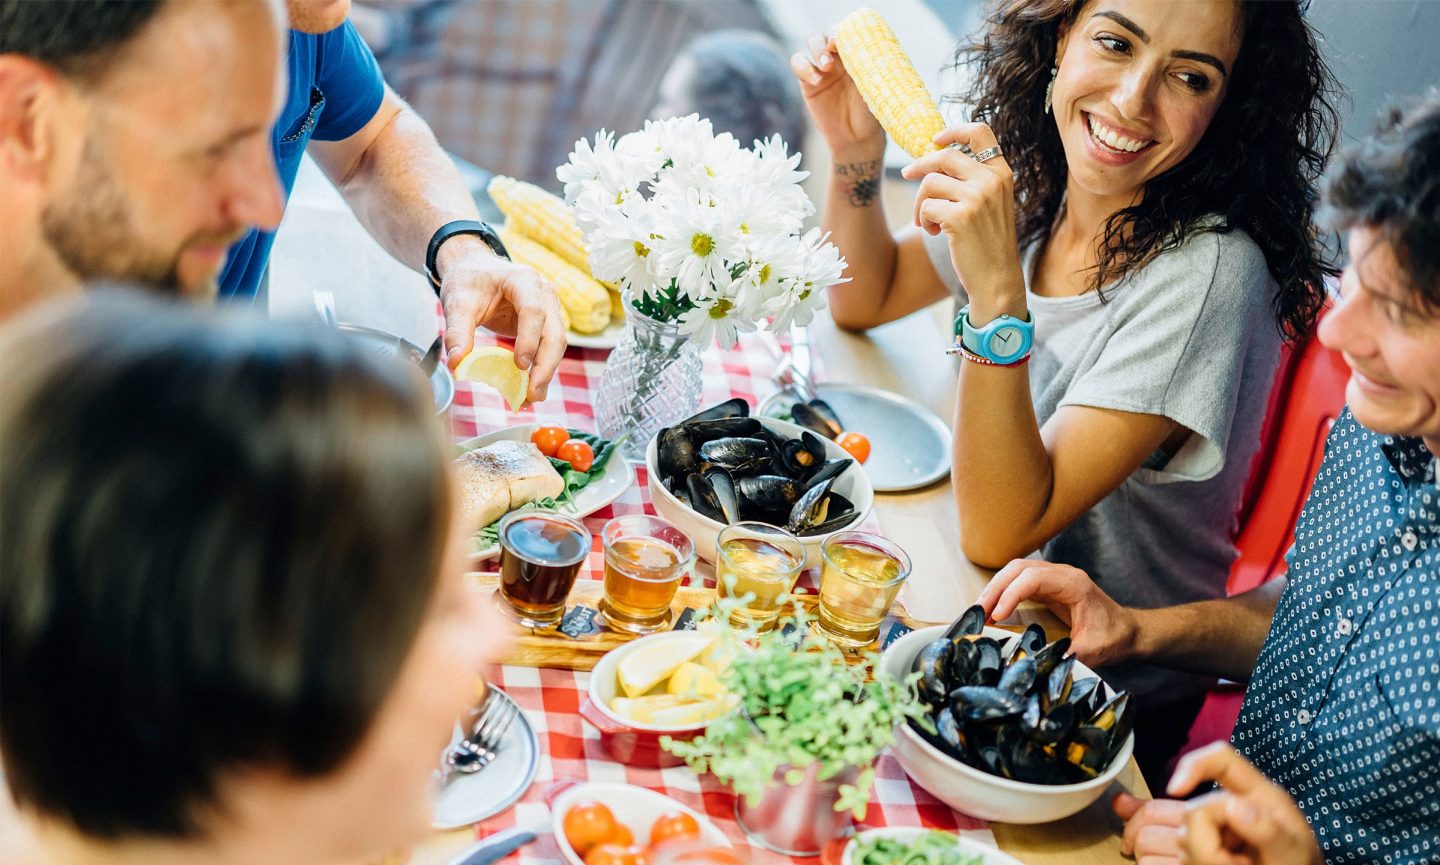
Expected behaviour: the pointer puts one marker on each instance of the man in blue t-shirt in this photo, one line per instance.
(404, 189)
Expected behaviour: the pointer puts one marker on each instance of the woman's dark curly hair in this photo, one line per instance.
(1257, 165)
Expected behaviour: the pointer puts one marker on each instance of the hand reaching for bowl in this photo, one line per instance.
(1101, 631)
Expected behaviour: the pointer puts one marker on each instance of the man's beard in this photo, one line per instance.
(93, 233)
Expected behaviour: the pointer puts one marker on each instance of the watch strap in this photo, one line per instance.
(975, 340)
(450, 229)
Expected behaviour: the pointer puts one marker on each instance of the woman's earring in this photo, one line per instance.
(1050, 88)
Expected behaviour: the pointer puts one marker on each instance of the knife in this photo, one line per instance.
(494, 848)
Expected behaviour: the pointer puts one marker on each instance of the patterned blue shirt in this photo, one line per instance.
(1344, 707)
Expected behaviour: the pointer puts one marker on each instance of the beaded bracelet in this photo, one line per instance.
(971, 356)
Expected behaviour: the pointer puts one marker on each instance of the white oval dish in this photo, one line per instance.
(636, 807)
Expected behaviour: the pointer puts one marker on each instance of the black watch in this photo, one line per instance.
(449, 230)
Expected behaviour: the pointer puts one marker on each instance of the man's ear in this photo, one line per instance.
(33, 112)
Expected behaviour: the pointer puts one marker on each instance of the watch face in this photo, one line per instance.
(1006, 341)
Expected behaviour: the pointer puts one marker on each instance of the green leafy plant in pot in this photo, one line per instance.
(800, 755)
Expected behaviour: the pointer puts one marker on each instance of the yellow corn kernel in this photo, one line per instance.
(586, 302)
(888, 81)
(542, 217)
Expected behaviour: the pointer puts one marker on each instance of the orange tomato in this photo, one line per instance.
(613, 854)
(588, 824)
(549, 439)
(578, 454)
(694, 852)
(622, 836)
(673, 824)
(855, 444)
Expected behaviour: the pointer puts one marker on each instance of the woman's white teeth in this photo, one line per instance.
(1113, 138)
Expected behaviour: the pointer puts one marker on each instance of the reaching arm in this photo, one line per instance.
(1219, 638)
(403, 187)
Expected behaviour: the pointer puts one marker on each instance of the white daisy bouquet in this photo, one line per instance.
(699, 230)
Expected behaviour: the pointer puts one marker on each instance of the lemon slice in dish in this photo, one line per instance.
(649, 664)
(494, 365)
(695, 682)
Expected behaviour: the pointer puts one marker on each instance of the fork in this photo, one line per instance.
(476, 751)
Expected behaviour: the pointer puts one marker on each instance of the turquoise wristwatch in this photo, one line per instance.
(1004, 340)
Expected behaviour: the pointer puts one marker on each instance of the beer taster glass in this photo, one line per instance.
(645, 560)
(540, 554)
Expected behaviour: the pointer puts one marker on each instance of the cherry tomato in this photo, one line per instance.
(613, 854)
(588, 824)
(621, 836)
(578, 454)
(694, 852)
(855, 444)
(549, 438)
(673, 824)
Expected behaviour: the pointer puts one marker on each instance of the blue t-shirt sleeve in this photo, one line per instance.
(350, 79)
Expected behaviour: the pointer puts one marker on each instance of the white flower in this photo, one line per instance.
(822, 268)
(620, 248)
(715, 319)
(699, 245)
(603, 169)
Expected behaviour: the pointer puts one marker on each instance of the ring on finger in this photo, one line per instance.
(963, 148)
(987, 154)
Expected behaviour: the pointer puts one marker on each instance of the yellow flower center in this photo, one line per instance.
(764, 274)
(641, 249)
(721, 309)
(702, 245)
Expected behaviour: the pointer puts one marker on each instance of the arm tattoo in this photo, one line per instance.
(861, 181)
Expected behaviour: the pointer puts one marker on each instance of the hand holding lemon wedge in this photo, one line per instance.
(494, 365)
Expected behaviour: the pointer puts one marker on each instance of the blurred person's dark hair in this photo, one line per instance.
(80, 38)
(741, 81)
(220, 536)
(1258, 164)
(1390, 181)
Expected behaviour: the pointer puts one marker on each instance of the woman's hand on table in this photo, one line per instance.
(843, 119)
(1101, 630)
(973, 204)
(1252, 820)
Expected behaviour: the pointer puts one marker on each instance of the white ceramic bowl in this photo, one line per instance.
(990, 855)
(853, 485)
(636, 807)
(631, 742)
(978, 793)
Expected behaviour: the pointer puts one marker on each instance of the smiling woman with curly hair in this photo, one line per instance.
(1127, 224)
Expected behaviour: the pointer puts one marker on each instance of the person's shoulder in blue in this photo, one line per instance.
(335, 89)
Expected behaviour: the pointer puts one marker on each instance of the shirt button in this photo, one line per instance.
(1303, 716)
(1344, 627)
(1409, 540)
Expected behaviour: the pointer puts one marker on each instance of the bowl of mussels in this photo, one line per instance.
(1018, 730)
(724, 465)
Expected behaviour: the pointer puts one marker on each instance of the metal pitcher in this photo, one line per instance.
(798, 820)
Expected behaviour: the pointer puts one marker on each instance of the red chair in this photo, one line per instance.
(1308, 395)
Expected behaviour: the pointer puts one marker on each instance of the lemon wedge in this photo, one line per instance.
(668, 710)
(694, 681)
(649, 664)
(494, 365)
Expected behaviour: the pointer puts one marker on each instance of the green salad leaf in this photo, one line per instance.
(932, 848)
(574, 481)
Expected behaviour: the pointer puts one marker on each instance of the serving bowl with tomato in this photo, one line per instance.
(622, 824)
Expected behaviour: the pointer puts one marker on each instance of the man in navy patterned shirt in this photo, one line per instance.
(1338, 741)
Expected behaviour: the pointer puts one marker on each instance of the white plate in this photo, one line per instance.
(636, 807)
(605, 339)
(613, 481)
(469, 799)
(909, 445)
(908, 833)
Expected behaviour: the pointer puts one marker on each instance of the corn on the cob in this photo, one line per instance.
(888, 81)
(542, 217)
(586, 302)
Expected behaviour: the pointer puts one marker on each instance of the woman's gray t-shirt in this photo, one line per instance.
(1191, 337)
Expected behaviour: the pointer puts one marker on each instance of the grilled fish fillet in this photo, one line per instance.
(502, 476)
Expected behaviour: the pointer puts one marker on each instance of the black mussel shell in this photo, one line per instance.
(702, 431)
(1030, 642)
(1050, 657)
(675, 455)
(831, 470)
(970, 623)
(712, 495)
(769, 493)
(736, 407)
(739, 455)
(802, 457)
(933, 665)
(1019, 676)
(984, 704)
(818, 416)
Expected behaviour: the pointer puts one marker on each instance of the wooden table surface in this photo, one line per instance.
(924, 523)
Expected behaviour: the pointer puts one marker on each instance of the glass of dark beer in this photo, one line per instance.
(540, 555)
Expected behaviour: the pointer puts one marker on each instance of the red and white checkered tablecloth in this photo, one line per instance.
(551, 698)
